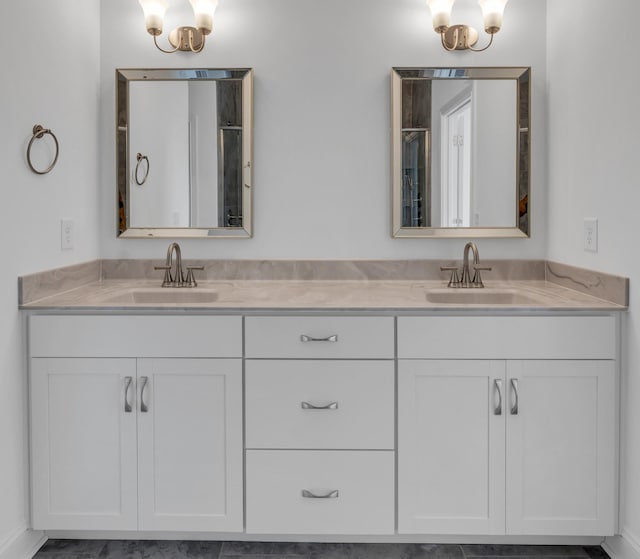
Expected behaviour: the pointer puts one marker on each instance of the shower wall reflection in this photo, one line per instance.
(416, 153)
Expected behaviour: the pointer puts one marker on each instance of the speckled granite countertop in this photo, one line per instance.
(358, 286)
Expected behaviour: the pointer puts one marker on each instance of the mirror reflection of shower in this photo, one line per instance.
(416, 153)
(415, 149)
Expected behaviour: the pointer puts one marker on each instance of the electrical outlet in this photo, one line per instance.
(591, 234)
(66, 234)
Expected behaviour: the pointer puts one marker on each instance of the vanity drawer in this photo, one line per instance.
(135, 336)
(507, 337)
(320, 337)
(356, 400)
(358, 489)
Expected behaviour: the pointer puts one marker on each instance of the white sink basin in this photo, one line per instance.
(474, 296)
(166, 296)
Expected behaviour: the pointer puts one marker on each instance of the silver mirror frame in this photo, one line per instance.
(522, 76)
(123, 165)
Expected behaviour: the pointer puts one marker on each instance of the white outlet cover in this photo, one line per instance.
(590, 234)
(66, 234)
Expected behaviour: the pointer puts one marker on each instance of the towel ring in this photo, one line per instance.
(140, 158)
(39, 132)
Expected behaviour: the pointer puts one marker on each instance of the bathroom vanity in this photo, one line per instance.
(284, 416)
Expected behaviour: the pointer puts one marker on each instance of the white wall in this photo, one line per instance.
(594, 121)
(203, 119)
(50, 64)
(322, 118)
(494, 166)
(159, 129)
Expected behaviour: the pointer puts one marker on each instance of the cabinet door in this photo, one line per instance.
(561, 443)
(83, 444)
(190, 444)
(451, 429)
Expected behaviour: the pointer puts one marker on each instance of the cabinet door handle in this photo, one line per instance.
(498, 409)
(305, 338)
(514, 387)
(144, 408)
(127, 386)
(329, 495)
(310, 406)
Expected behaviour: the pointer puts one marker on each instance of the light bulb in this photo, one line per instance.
(440, 13)
(492, 11)
(203, 11)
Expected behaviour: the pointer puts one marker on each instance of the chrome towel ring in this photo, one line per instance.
(140, 158)
(39, 132)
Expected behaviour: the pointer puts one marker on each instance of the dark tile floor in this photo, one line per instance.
(120, 549)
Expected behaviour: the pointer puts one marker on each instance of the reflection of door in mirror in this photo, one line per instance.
(456, 146)
(475, 161)
(191, 132)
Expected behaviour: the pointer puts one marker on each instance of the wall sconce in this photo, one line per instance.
(463, 37)
(184, 37)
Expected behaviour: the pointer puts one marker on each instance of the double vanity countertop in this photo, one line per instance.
(405, 287)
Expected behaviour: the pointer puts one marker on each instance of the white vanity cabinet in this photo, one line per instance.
(320, 422)
(136, 423)
(506, 425)
(352, 426)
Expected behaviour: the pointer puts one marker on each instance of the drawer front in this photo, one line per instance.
(358, 491)
(507, 337)
(320, 404)
(135, 336)
(316, 337)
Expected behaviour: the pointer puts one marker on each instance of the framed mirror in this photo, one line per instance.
(460, 152)
(184, 152)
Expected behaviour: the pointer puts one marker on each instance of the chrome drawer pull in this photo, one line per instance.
(127, 386)
(514, 386)
(310, 406)
(305, 338)
(144, 408)
(330, 495)
(498, 409)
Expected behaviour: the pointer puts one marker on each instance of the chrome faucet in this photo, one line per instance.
(177, 279)
(466, 280)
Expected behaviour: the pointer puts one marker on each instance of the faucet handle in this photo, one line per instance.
(477, 278)
(191, 278)
(454, 280)
(168, 280)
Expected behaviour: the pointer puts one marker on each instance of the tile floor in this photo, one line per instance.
(119, 549)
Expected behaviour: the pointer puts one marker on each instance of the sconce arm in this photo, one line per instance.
(483, 48)
(155, 40)
(196, 51)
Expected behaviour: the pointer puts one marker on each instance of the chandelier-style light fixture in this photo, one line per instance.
(464, 37)
(185, 38)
